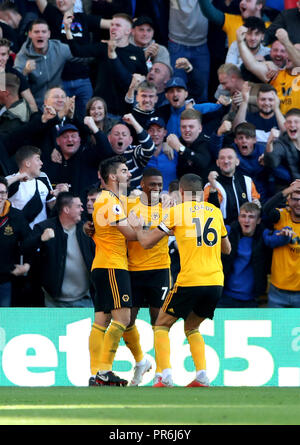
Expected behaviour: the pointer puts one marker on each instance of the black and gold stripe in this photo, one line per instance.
(169, 298)
(114, 288)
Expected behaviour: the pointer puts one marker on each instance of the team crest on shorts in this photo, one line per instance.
(8, 230)
(125, 298)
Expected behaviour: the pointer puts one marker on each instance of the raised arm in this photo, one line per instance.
(211, 12)
(41, 4)
(146, 238)
(293, 52)
(259, 69)
(242, 110)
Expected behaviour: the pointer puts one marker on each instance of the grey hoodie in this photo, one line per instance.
(49, 66)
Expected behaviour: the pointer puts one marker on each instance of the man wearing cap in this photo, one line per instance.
(77, 163)
(156, 128)
(177, 93)
(142, 36)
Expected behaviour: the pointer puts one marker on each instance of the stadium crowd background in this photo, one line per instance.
(211, 88)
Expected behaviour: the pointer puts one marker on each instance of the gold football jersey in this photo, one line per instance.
(198, 228)
(148, 259)
(111, 245)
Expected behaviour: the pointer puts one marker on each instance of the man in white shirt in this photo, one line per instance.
(30, 189)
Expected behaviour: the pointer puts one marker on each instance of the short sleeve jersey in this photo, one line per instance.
(231, 24)
(285, 270)
(148, 259)
(111, 245)
(288, 90)
(198, 228)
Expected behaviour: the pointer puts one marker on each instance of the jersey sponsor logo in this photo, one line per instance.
(125, 298)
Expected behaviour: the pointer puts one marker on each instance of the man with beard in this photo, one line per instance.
(254, 37)
(268, 115)
(110, 274)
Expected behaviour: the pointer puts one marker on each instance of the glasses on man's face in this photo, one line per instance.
(3, 192)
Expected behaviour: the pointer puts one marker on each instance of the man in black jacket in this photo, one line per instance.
(193, 147)
(228, 188)
(117, 60)
(66, 255)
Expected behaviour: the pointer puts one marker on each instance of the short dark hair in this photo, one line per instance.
(3, 181)
(110, 165)
(245, 128)
(266, 88)
(151, 171)
(255, 23)
(293, 112)
(26, 152)
(38, 22)
(63, 199)
(173, 186)
(191, 183)
(92, 191)
(8, 6)
(5, 42)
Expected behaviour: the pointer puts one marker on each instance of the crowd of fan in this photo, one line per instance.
(211, 88)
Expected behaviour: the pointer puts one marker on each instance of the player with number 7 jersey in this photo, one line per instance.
(201, 237)
(149, 268)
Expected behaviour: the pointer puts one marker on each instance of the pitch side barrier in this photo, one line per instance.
(244, 347)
